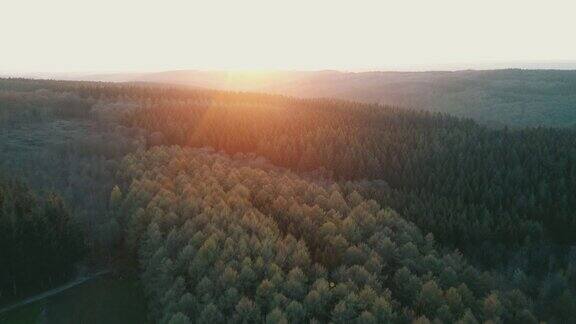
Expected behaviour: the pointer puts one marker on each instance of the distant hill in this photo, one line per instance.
(513, 97)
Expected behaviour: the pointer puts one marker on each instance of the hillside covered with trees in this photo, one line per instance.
(249, 207)
(498, 98)
(513, 97)
(225, 239)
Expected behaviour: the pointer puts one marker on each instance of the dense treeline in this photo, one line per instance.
(498, 98)
(40, 241)
(508, 97)
(62, 142)
(467, 184)
(39, 105)
(502, 197)
(239, 240)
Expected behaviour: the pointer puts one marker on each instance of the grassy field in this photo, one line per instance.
(104, 300)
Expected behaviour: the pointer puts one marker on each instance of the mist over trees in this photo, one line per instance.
(249, 207)
(497, 98)
(510, 97)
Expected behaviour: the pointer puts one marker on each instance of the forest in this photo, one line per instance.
(509, 97)
(497, 98)
(40, 243)
(246, 208)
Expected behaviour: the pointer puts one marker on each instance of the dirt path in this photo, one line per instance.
(53, 292)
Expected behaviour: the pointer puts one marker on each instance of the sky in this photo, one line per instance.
(129, 35)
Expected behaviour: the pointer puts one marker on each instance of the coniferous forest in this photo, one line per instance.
(237, 207)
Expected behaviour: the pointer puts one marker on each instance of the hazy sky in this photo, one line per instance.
(120, 35)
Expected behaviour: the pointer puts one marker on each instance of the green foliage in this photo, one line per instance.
(467, 184)
(250, 259)
(39, 238)
(235, 238)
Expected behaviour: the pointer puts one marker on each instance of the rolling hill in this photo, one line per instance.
(513, 97)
